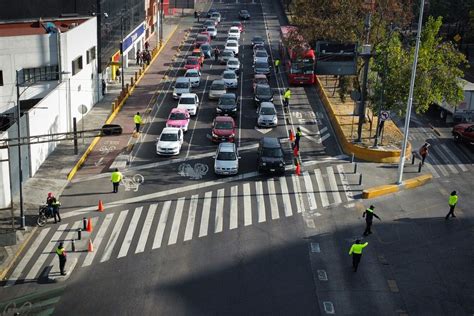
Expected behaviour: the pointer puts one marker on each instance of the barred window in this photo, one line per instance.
(91, 54)
(45, 73)
(76, 65)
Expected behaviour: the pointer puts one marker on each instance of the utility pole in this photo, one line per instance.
(161, 23)
(20, 170)
(121, 49)
(410, 96)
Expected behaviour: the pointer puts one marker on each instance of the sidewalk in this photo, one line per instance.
(53, 173)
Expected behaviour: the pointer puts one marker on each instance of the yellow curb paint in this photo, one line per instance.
(380, 190)
(417, 181)
(5, 271)
(94, 142)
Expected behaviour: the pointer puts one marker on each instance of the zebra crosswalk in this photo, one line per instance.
(176, 221)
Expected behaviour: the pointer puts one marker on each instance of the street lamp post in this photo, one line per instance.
(121, 50)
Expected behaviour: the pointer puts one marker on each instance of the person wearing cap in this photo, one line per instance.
(61, 252)
(116, 178)
(424, 152)
(356, 253)
(369, 216)
(138, 121)
(453, 200)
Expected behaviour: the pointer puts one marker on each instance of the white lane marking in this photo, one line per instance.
(27, 257)
(456, 159)
(432, 169)
(323, 130)
(196, 119)
(98, 239)
(438, 164)
(324, 137)
(333, 185)
(159, 194)
(247, 205)
(146, 228)
(127, 241)
(260, 202)
(309, 191)
(161, 225)
(345, 183)
(219, 211)
(321, 188)
(178, 213)
(114, 236)
(446, 159)
(188, 233)
(306, 135)
(48, 250)
(286, 197)
(234, 207)
(297, 193)
(273, 199)
(206, 210)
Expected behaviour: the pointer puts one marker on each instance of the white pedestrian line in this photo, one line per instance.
(446, 159)
(188, 233)
(127, 241)
(325, 136)
(98, 239)
(431, 169)
(456, 159)
(178, 213)
(321, 188)
(323, 130)
(114, 236)
(161, 225)
(233, 207)
(219, 211)
(273, 199)
(297, 193)
(206, 212)
(146, 228)
(48, 250)
(286, 197)
(306, 134)
(27, 257)
(345, 183)
(309, 191)
(438, 164)
(247, 205)
(333, 185)
(260, 202)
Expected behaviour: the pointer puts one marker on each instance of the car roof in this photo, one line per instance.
(174, 110)
(260, 76)
(226, 147)
(234, 28)
(170, 130)
(262, 85)
(229, 72)
(267, 105)
(232, 41)
(270, 142)
(233, 59)
(192, 70)
(188, 95)
(224, 118)
(217, 81)
(182, 79)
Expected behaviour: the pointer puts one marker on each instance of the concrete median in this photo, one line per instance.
(386, 189)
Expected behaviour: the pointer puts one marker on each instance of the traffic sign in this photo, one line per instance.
(384, 115)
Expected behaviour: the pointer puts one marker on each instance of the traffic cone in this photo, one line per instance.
(90, 246)
(292, 137)
(100, 208)
(89, 225)
(298, 170)
(295, 150)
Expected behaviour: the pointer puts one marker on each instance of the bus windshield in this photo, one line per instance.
(302, 67)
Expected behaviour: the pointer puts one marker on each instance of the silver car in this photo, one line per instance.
(217, 89)
(225, 55)
(230, 78)
(233, 64)
(212, 31)
(182, 85)
(226, 160)
(267, 115)
(260, 56)
(194, 76)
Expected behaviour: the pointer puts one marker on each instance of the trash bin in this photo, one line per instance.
(111, 129)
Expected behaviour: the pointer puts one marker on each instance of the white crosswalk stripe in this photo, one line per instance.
(286, 197)
(438, 165)
(98, 239)
(333, 185)
(178, 213)
(188, 233)
(309, 191)
(114, 236)
(161, 225)
(130, 232)
(146, 228)
(321, 188)
(206, 212)
(345, 184)
(445, 159)
(297, 193)
(260, 202)
(454, 158)
(219, 211)
(273, 199)
(233, 207)
(247, 205)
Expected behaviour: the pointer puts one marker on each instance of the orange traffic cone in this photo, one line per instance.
(89, 225)
(295, 150)
(90, 246)
(100, 208)
(298, 170)
(292, 137)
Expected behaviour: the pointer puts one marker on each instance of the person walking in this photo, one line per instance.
(104, 87)
(369, 216)
(356, 253)
(424, 152)
(216, 54)
(62, 258)
(57, 216)
(147, 46)
(117, 74)
(286, 97)
(298, 135)
(453, 200)
(277, 64)
(139, 57)
(138, 121)
(116, 178)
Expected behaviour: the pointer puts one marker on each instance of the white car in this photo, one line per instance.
(170, 141)
(212, 31)
(194, 76)
(230, 78)
(267, 115)
(232, 37)
(233, 46)
(233, 64)
(226, 160)
(216, 16)
(190, 102)
(260, 56)
(234, 31)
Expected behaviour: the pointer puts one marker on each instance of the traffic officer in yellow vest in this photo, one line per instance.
(62, 258)
(369, 216)
(56, 205)
(298, 137)
(356, 253)
(277, 64)
(286, 97)
(116, 178)
(138, 121)
(453, 200)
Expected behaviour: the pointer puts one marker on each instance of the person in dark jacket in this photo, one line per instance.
(369, 216)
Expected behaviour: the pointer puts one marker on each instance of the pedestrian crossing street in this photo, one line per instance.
(176, 221)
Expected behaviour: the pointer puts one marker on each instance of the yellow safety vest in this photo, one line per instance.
(277, 62)
(453, 199)
(60, 251)
(299, 134)
(357, 248)
(287, 94)
(116, 176)
(137, 119)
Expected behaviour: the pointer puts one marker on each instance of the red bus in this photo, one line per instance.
(297, 56)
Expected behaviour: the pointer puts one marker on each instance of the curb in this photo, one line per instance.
(112, 116)
(386, 189)
(15, 256)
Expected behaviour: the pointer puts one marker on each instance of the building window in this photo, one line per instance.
(1, 77)
(90, 56)
(76, 65)
(33, 75)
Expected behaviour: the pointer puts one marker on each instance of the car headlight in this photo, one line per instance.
(232, 135)
(264, 163)
(256, 98)
(218, 110)
(281, 164)
(234, 109)
(214, 135)
(175, 94)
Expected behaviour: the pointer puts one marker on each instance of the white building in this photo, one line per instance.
(56, 65)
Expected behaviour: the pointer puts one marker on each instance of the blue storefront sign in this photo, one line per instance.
(129, 40)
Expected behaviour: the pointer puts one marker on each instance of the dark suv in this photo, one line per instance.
(270, 156)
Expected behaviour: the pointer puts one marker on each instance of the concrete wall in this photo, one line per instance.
(5, 194)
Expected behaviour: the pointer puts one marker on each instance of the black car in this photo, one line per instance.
(270, 156)
(228, 104)
(258, 40)
(211, 11)
(262, 68)
(244, 15)
(263, 93)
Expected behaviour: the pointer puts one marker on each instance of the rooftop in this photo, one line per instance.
(36, 27)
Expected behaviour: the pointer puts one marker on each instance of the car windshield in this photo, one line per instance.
(234, 31)
(226, 156)
(231, 44)
(169, 137)
(192, 74)
(177, 116)
(229, 75)
(257, 39)
(182, 85)
(223, 125)
(261, 53)
(205, 47)
(233, 62)
(187, 101)
(192, 61)
(272, 152)
(236, 24)
(264, 90)
(227, 101)
(267, 111)
(261, 65)
(201, 38)
(244, 12)
(211, 29)
(261, 81)
(227, 53)
(217, 86)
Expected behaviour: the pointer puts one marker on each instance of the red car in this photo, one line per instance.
(201, 39)
(192, 62)
(223, 129)
(239, 25)
(464, 132)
